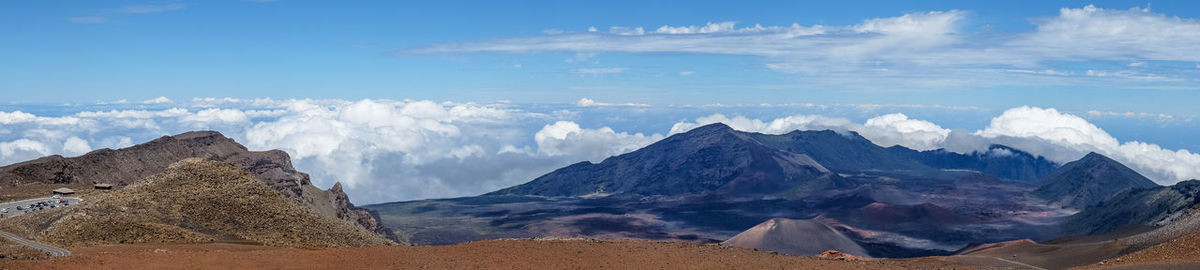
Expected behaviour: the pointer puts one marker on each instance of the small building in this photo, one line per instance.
(103, 186)
(63, 191)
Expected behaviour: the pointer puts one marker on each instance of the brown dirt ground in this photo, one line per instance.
(14, 251)
(1178, 253)
(495, 254)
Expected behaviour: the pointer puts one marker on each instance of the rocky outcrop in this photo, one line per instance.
(129, 165)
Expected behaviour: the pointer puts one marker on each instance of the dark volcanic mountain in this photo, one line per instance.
(844, 153)
(1090, 180)
(1151, 206)
(711, 183)
(127, 165)
(712, 159)
(1000, 161)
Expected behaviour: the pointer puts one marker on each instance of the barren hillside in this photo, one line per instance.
(192, 201)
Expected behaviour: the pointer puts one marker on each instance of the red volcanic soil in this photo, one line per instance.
(496, 254)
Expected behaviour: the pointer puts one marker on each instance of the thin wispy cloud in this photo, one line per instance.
(926, 49)
(105, 16)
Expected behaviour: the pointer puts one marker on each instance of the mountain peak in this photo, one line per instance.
(201, 134)
(714, 127)
(1090, 180)
(1093, 156)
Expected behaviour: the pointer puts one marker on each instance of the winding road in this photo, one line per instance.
(53, 250)
(11, 211)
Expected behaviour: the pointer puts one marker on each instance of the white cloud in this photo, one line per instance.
(567, 138)
(75, 146)
(625, 31)
(596, 71)
(686, 73)
(218, 116)
(9, 118)
(1076, 133)
(1096, 33)
(917, 50)
(22, 149)
(386, 150)
(897, 129)
(587, 102)
(776, 126)
(158, 100)
(730, 28)
(1159, 116)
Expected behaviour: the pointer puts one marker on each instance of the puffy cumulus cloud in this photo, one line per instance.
(884, 130)
(75, 146)
(1047, 124)
(587, 102)
(382, 150)
(423, 149)
(898, 129)
(9, 118)
(567, 138)
(158, 100)
(776, 126)
(22, 149)
(1078, 136)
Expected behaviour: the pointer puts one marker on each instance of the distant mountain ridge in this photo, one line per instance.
(713, 159)
(712, 182)
(1000, 161)
(1090, 180)
(716, 159)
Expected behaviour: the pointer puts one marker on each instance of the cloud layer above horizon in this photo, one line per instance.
(385, 150)
(932, 49)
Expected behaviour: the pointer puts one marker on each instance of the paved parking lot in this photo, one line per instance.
(10, 209)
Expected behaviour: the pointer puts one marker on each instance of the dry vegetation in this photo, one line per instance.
(13, 251)
(193, 201)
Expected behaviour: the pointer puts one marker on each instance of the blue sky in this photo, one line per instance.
(482, 79)
(80, 52)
